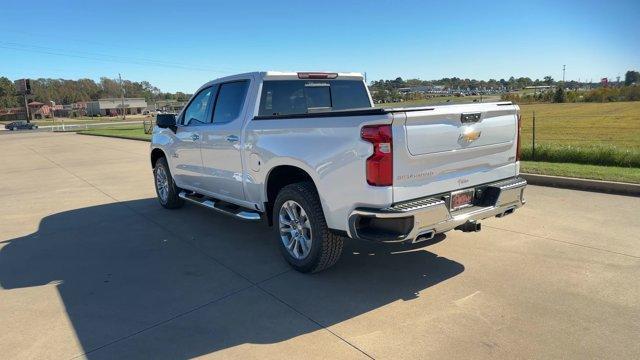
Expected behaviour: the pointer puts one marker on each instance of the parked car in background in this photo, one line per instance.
(20, 125)
(308, 153)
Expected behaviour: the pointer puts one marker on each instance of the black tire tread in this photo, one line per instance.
(331, 243)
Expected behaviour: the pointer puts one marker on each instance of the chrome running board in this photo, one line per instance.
(221, 206)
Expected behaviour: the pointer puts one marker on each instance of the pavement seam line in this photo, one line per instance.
(257, 285)
(314, 321)
(206, 255)
(565, 242)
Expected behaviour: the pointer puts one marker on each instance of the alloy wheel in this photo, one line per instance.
(162, 183)
(295, 229)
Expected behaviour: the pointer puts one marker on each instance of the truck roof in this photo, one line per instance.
(289, 75)
(293, 75)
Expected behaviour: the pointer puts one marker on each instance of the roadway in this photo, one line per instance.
(92, 267)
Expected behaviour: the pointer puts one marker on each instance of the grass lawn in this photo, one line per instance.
(84, 120)
(608, 173)
(136, 133)
(88, 120)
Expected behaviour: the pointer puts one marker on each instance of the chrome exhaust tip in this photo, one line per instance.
(509, 211)
(424, 236)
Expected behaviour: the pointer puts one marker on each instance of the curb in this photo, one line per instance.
(609, 187)
(111, 136)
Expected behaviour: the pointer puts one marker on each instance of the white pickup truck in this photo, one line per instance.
(309, 153)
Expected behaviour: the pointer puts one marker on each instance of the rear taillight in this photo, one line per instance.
(380, 164)
(518, 138)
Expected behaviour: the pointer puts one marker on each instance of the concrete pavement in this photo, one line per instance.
(92, 267)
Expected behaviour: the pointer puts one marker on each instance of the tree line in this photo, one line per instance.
(459, 83)
(631, 77)
(562, 95)
(64, 91)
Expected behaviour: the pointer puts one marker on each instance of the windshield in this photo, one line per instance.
(283, 97)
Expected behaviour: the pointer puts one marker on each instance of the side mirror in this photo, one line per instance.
(166, 121)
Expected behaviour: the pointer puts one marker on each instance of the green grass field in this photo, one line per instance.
(136, 133)
(583, 124)
(84, 120)
(608, 173)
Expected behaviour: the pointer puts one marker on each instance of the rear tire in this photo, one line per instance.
(166, 188)
(297, 211)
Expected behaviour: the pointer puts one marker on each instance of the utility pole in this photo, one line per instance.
(563, 69)
(52, 104)
(26, 107)
(124, 116)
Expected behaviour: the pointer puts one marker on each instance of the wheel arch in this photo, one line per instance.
(156, 154)
(279, 177)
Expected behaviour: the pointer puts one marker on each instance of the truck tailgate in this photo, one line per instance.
(452, 147)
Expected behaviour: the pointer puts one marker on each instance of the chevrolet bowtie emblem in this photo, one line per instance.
(470, 135)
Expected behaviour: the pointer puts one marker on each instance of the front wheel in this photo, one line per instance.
(166, 188)
(305, 240)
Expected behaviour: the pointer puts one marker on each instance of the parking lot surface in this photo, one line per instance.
(92, 267)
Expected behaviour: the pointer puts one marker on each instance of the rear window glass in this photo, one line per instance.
(283, 97)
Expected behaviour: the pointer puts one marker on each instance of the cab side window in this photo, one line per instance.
(230, 101)
(196, 112)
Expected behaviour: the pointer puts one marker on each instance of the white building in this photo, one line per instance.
(115, 106)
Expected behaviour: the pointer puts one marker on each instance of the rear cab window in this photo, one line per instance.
(285, 97)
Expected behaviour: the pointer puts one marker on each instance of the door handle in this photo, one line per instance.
(195, 137)
(232, 138)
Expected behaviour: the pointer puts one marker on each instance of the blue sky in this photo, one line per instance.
(177, 45)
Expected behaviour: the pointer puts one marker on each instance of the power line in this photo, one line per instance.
(107, 57)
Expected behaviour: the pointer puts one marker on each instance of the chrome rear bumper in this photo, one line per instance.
(408, 221)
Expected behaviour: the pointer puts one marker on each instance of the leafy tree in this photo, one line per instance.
(548, 80)
(559, 96)
(631, 77)
(8, 96)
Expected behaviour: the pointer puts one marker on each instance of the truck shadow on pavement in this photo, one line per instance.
(137, 280)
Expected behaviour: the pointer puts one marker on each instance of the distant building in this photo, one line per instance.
(114, 106)
(538, 87)
(428, 89)
(172, 106)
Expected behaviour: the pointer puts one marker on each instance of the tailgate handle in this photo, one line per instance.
(470, 117)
